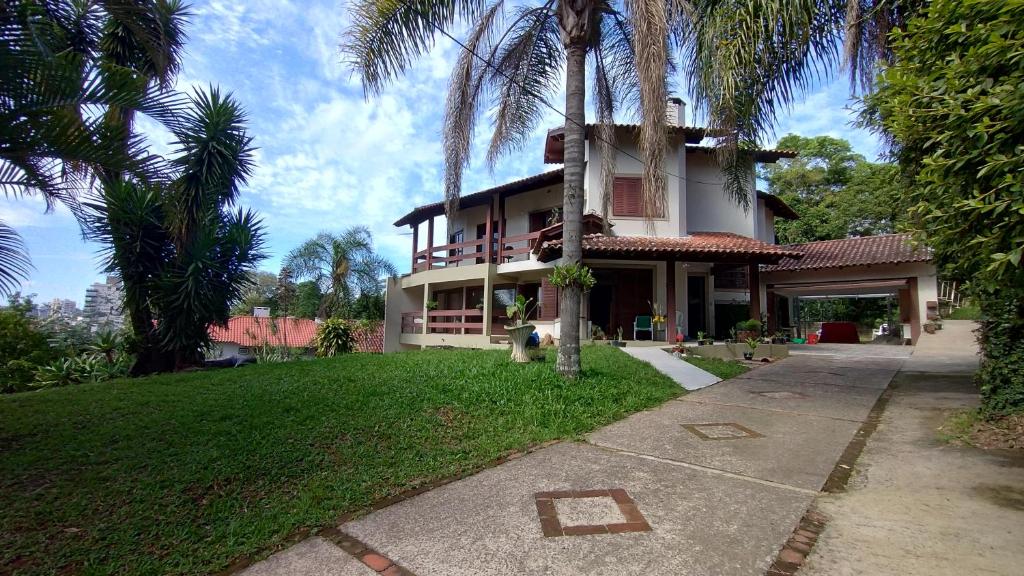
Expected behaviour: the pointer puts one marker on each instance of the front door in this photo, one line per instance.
(696, 304)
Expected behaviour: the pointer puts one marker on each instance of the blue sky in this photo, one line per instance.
(328, 159)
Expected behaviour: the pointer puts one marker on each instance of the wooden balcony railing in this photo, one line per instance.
(508, 249)
(454, 321)
(410, 324)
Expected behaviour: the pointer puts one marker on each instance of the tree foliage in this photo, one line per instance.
(343, 266)
(65, 70)
(952, 106)
(836, 192)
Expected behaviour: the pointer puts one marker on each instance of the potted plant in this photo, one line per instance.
(619, 342)
(732, 336)
(779, 338)
(519, 331)
(931, 327)
(431, 305)
(702, 339)
(752, 344)
(657, 318)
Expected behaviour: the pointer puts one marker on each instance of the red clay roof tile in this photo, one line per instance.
(698, 245)
(252, 331)
(862, 251)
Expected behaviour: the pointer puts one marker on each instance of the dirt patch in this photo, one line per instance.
(968, 428)
(1011, 497)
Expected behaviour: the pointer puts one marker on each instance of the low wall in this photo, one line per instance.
(735, 351)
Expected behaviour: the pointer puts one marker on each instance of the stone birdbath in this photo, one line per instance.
(519, 331)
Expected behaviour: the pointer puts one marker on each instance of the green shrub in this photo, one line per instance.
(23, 347)
(1001, 378)
(73, 370)
(335, 336)
(752, 325)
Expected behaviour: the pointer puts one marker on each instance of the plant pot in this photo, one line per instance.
(748, 355)
(778, 340)
(619, 343)
(518, 335)
(705, 342)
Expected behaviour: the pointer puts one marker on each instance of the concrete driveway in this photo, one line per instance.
(712, 483)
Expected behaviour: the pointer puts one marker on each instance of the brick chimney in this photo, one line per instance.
(675, 112)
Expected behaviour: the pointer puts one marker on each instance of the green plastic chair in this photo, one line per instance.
(643, 324)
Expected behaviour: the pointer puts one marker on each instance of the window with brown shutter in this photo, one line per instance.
(626, 197)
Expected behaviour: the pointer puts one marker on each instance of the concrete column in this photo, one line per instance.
(426, 298)
(488, 300)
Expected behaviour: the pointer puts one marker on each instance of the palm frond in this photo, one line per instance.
(387, 35)
(526, 71)
(650, 26)
(15, 264)
(462, 107)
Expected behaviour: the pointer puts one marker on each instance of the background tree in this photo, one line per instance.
(307, 300)
(59, 82)
(836, 192)
(284, 292)
(952, 108)
(261, 291)
(344, 266)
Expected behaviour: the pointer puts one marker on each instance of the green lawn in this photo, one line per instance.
(724, 369)
(182, 473)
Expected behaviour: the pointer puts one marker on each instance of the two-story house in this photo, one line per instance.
(703, 262)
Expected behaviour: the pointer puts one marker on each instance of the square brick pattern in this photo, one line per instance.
(721, 431)
(552, 526)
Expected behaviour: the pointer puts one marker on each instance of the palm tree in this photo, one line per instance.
(514, 61)
(745, 60)
(344, 266)
(57, 85)
(182, 250)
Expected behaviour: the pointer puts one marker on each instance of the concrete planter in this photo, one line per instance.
(518, 335)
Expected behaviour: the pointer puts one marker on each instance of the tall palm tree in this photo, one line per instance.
(183, 251)
(744, 60)
(343, 265)
(56, 87)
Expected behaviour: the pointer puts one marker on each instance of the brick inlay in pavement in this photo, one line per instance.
(722, 431)
(588, 512)
(782, 395)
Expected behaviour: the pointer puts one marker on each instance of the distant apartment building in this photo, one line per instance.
(104, 303)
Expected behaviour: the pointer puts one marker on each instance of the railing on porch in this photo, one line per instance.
(507, 249)
(410, 324)
(454, 321)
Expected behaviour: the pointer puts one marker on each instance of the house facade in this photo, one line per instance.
(702, 262)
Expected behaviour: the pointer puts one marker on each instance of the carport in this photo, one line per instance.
(877, 266)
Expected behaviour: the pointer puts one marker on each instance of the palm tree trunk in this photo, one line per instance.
(574, 18)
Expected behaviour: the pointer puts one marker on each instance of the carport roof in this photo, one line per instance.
(862, 251)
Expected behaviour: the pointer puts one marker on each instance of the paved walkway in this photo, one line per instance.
(685, 374)
(712, 483)
(915, 504)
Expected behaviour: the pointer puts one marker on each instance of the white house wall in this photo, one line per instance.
(673, 224)
(708, 207)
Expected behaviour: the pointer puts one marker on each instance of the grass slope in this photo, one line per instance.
(724, 369)
(182, 473)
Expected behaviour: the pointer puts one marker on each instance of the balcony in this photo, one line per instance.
(507, 249)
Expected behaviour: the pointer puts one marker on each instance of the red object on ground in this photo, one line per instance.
(812, 338)
(839, 333)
